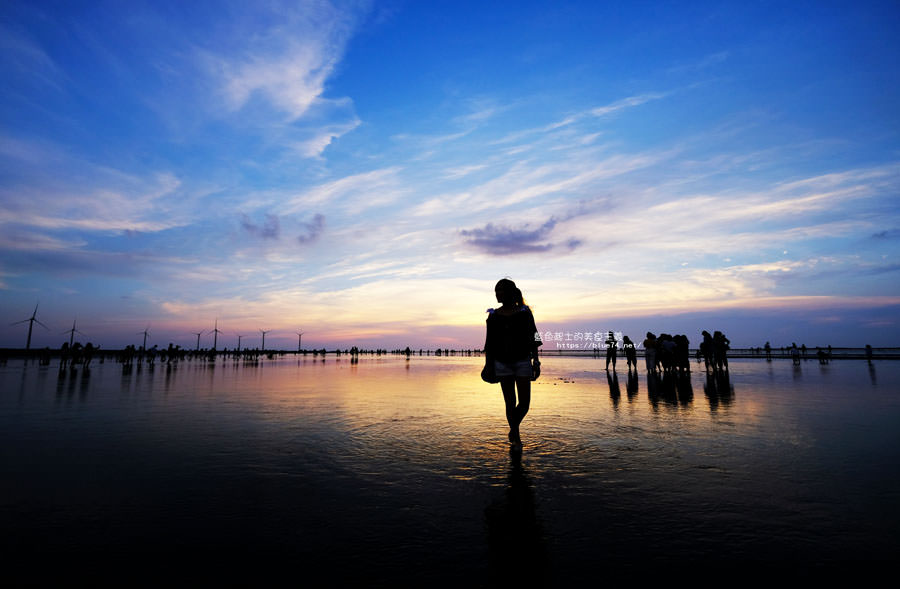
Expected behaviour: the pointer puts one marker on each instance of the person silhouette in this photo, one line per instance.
(706, 349)
(511, 349)
(611, 347)
(630, 352)
(721, 345)
(650, 352)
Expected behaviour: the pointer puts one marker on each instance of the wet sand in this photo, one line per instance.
(393, 472)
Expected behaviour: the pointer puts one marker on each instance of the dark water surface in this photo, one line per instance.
(390, 472)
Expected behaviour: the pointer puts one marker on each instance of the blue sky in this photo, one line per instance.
(366, 171)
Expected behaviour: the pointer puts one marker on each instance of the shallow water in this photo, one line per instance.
(392, 471)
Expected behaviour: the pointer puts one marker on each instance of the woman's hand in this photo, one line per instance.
(535, 369)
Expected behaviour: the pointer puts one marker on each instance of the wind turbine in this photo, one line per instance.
(215, 333)
(72, 333)
(239, 342)
(264, 338)
(31, 321)
(146, 332)
(299, 339)
(198, 334)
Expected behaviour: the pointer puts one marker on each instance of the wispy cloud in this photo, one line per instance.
(701, 64)
(353, 193)
(134, 206)
(285, 63)
(625, 103)
(462, 171)
(524, 181)
(24, 57)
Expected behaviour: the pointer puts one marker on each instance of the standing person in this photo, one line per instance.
(706, 349)
(721, 345)
(650, 352)
(611, 347)
(511, 349)
(630, 353)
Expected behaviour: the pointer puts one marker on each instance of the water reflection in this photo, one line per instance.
(72, 379)
(632, 385)
(718, 390)
(668, 390)
(406, 464)
(612, 379)
(684, 388)
(517, 549)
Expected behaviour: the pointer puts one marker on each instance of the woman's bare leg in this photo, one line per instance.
(515, 413)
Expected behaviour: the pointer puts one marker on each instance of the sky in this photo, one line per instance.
(364, 172)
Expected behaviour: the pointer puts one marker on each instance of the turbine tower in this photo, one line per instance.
(299, 339)
(72, 333)
(264, 338)
(215, 333)
(198, 334)
(146, 333)
(31, 321)
(239, 342)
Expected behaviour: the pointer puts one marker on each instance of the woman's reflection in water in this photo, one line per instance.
(518, 555)
(612, 380)
(632, 385)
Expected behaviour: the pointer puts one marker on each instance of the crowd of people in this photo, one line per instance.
(670, 353)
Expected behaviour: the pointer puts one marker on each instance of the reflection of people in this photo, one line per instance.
(512, 345)
(517, 551)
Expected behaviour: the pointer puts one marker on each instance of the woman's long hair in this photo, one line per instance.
(509, 287)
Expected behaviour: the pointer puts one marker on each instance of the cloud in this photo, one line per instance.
(354, 193)
(524, 181)
(887, 234)
(114, 203)
(629, 102)
(318, 140)
(268, 230)
(312, 229)
(462, 171)
(701, 64)
(23, 57)
(503, 240)
(285, 62)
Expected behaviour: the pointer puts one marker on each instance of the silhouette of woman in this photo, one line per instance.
(650, 352)
(630, 353)
(511, 347)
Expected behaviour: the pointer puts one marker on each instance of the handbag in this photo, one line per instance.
(489, 373)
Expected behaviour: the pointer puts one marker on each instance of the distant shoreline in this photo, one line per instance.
(880, 353)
